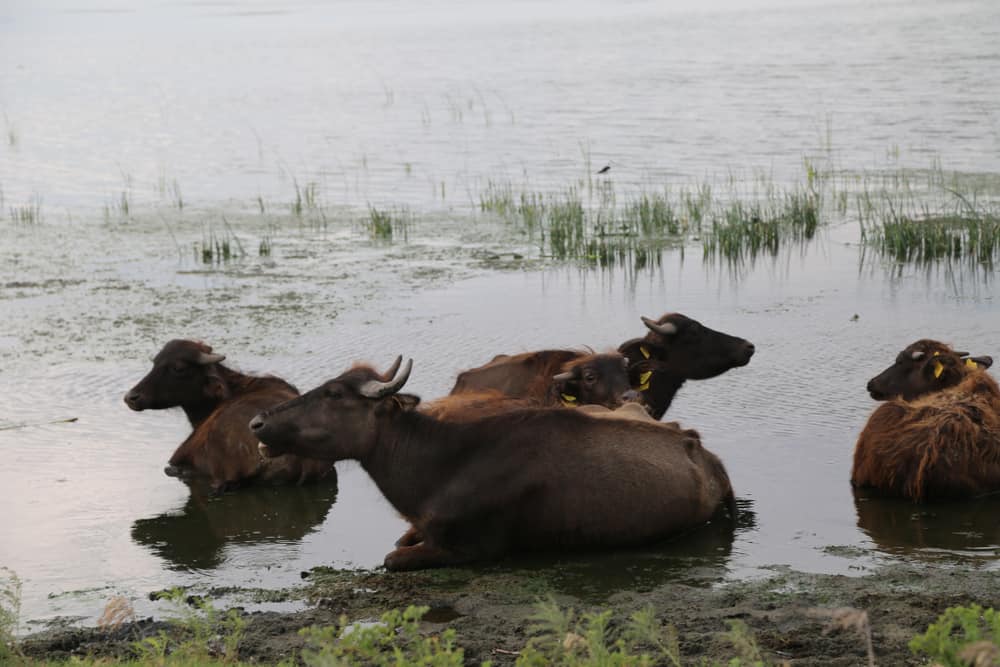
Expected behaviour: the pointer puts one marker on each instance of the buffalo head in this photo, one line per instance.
(184, 372)
(337, 420)
(923, 367)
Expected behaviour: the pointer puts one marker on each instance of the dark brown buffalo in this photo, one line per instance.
(910, 376)
(219, 402)
(676, 349)
(553, 377)
(524, 480)
(944, 444)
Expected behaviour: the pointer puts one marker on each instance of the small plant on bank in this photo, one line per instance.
(961, 636)
(10, 613)
(394, 640)
(201, 635)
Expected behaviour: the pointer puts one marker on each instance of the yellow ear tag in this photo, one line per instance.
(938, 369)
(568, 399)
(971, 364)
(645, 352)
(644, 380)
(936, 354)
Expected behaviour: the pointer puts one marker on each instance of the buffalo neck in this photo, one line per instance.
(663, 386)
(199, 410)
(413, 455)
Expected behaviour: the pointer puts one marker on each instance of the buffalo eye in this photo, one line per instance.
(179, 368)
(589, 378)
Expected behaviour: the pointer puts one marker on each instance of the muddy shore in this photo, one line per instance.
(490, 606)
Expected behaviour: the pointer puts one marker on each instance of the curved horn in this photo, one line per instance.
(917, 354)
(204, 358)
(391, 372)
(376, 389)
(665, 329)
(562, 377)
(961, 354)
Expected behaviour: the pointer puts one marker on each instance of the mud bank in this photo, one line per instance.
(490, 608)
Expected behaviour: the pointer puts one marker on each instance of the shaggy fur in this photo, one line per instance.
(906, 377)
(945, 444)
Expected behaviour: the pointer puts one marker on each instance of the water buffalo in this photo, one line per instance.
(553, 377)
(910, 376)
(219, 402)
(676, 349)
(943, 444)
(544, 478)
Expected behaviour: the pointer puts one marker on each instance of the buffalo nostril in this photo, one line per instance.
(132, 399)
(256, 423)
(750, 349)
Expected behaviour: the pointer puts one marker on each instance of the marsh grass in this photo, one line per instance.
(306, 198)
(220, 248)
(27, 214)
(908, 229)
(587, 223)
(742, 231)
(388, 224)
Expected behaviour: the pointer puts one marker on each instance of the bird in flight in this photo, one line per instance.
(605, 169)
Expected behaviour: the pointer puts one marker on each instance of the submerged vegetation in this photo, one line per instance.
(386, 224)
(600, 232)
(27, 214)
(906, 229)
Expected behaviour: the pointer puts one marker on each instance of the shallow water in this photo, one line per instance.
(236, 101)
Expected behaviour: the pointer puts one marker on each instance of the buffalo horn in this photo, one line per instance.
(665, 329)
(204, 358)
(563, 377)
(377, 389)
(391, 372)
(917, 354)
(961, 354)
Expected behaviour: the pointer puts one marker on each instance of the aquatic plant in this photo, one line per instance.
(383, 224)
(214, 248)
(742, 231)
(306, 198)
(906, 229)
(27, 214)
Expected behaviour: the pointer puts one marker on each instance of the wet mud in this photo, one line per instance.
(787, 611)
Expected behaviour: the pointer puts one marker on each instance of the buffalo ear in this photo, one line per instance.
(406, 401)
(216, 388)
(638, 350)
(942, 369)
(982, 362)
(565, 383)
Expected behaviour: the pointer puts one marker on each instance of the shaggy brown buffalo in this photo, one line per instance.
(219, 402)
(524, 480)
(553, 377)
(943, 444)
(906, 378)
(676, 349)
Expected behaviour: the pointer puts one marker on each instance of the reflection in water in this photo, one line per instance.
(194, 536)
(932, 531)
(599, 575)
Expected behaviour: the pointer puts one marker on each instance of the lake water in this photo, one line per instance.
(229, 107)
